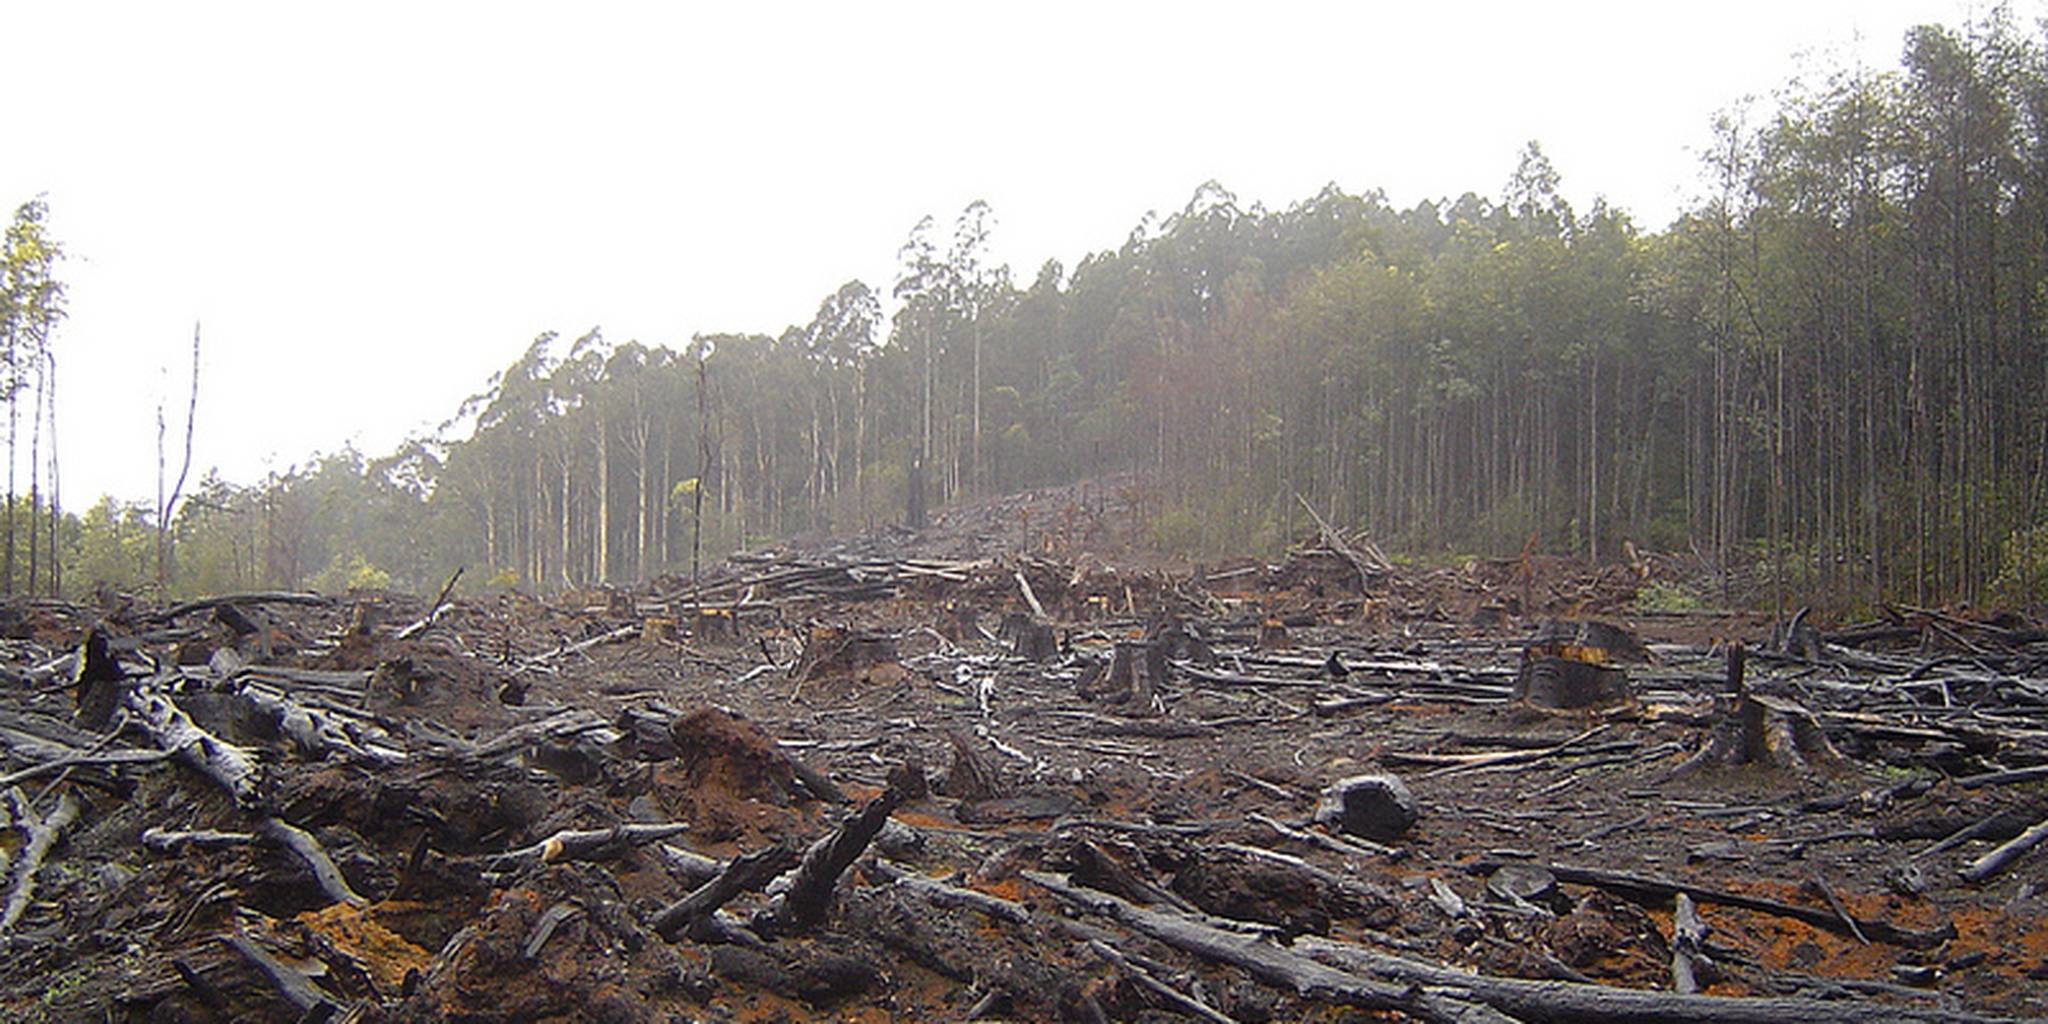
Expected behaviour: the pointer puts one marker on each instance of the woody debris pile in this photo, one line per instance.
(1014, 767)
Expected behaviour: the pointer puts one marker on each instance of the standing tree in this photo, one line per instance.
(166, 504)
(920, 286)
(31, 303)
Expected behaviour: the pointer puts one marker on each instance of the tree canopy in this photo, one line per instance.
(1830, 364)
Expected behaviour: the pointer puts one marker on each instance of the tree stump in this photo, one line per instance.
(1175, 639)
(1132, 679)
(1028, 638)
(959, 622)
(718, 626)
(1753, 729)
(658, 630)
(1572, 666)
(1273, 635)
(839, 652)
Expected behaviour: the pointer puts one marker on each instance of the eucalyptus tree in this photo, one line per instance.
(32, 302)
(841, 338)
(921, 291)
(977, 290)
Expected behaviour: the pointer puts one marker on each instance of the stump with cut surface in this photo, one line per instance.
(715, 626)
(1574, 666)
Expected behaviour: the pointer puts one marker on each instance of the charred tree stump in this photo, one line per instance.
(1132, 679)
(99, 684)
(716, 626)
(970, 778)
(1755, 729)
(1177, 640)
(838, 651)
(959, 622)
(1029, 638)
(1573, 666)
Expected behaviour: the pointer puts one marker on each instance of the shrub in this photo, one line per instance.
(2022, 578)
(1659, 596)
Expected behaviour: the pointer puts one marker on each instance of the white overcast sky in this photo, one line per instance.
(372, 207)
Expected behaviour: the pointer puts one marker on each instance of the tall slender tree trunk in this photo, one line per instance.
(35, 476)
(56, 505)
(604, 502)
(974, 483)
(1593, 459)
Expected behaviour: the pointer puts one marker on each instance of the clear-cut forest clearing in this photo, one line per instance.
(1483, 611)
(1004, 769)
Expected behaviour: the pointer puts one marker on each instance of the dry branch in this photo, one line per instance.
(433, 614)
(1657, 891)
(745, 873)
(231, 767)
(2001, 858)
(308, 849)
(42, 834)
(809, 897)
(290, 982)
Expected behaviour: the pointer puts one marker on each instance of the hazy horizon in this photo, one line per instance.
(371, 214)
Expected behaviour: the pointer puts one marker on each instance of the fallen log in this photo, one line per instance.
(252, 597)
(1471, 762)
(308, 849)
(313, 731)
(276, 831)
(290, 982)
(42, 834)
(170, 841)
(589, 844)
(2036, 772)
(541, 660)
(2001, 858)
(1174, 997)
(231, 767)
(1688, 936)
(949, 896)
(83, 760)
(745, 873)
(1658, 891)
(1565, 1001)
(1269, 963)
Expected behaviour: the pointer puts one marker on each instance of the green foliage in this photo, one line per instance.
(1217, 523)
(2022, 579)
(350, 572)
(1663, 596)
(116, 548)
